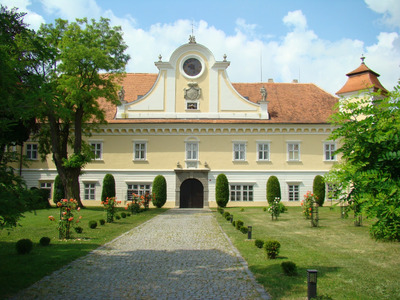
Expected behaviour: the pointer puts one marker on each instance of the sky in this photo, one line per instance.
(313, 41)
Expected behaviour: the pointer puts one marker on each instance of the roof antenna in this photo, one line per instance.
(362, 58)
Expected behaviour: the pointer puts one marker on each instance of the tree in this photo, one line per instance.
(159, 191)
(108, 190)
(222, 190)
(368, 176)
(78, 52)
(273, 189)
(18, 100)
(319, 189)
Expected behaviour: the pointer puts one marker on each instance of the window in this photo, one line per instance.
(263, 151)
(32, 151)
(140, 151)
(45, 185)
(329, 151)
(90, 191)
(294, 194)
(241, 193)
(97, 149)
(138, 189)
(239, 151)
(332, 193)
(192, 150)
(293, 151)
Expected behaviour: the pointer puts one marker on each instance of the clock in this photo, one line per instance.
(192, 67)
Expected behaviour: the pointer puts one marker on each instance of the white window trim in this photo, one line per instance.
(288, 190)
(324, 151)
(84, 190)
(145, 150)
(241, 191)
(101, 143)
(233, 151)
(287, 151)
(258, 150)
(197, 150)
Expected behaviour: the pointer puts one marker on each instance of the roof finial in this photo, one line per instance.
(192, 39)
(362, 58)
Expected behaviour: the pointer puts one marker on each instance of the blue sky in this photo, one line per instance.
(316, 41)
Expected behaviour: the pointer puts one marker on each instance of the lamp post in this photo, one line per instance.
(311, 284)
(249, 230)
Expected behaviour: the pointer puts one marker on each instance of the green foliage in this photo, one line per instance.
(220, 210)
(273, 189)
(289, 268)
(244, 229)
(274, 209)
(222, 190)
(44, 241)
(79, 229)
(272, 247)
(282, 207)
(92, 224)
(58, 192)
(108, 189)
(159, 190)
(118, 217)
(259, 243)
(24, 246)
(102, 221)
(368, 176)
(239, 224)
(39, 198)
(123, 215)
(226, 215)
(319, 189)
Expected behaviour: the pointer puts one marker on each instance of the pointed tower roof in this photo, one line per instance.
(361, 79)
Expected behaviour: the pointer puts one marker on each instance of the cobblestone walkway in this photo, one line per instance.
(180, 254)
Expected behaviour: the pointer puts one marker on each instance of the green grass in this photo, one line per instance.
(350, 264)
(20, 271)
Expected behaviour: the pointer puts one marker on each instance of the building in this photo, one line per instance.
(189, 123)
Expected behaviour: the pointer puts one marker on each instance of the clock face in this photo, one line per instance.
(192, 67)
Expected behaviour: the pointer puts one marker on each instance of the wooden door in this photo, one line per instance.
(191, 195)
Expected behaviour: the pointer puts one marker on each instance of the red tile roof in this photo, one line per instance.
(362, 78)
(303, 103)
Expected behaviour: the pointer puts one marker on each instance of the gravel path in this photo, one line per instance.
(180, 254)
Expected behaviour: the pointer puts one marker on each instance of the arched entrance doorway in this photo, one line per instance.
(192, 194)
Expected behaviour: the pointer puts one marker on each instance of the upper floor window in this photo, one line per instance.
(97, 149)
(263, 151)
(192, 150)
(329, 151)
(293, 149)
(239, 151)
(32, 151)
(140, 150)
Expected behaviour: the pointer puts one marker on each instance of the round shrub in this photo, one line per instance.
(123, 215)
(259, 243)
(159, 189)
(282, 207)
(244, 229)
(234, 223)
(128, 214)
(273, 189)
(102, 222)
(239, 224)
(79, 229)
(289, 268)
(44, 241)
(222, 190)
(24, 246)
(272, 247)
(92, 224)
(226, 214)
(108, 190)
(58, 192)
(264, 209)
(118, 217)
(242, 209)
(220, 210)
(319, 189)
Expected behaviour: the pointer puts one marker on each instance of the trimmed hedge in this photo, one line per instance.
(273, 189)
(58, 192)
(222, 190)
(108, 190)
(160, 191)
(319, 189)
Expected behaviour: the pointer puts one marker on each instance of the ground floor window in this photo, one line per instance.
(241, 193)
(90, 191)
(294, 192)
(332, 191)
(138, 189)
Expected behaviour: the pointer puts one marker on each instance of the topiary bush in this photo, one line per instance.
(234, 223)
(222, 190)
(38, 198)
(272, 247)
(226, 214)
(118, 217)
(24, 246)
(79, 229)
(259, 243)
(108, 190)
(289, 268)
(319, 189)
(123, 215)
(282, 207)
(239, 224)
(220, 210)
(159, 189)
(92, 224)
(58, 192)
(44, 241)
(273, 189)
(244, 229)
(102, 221)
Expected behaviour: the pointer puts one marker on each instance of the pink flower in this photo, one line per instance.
(78, 209)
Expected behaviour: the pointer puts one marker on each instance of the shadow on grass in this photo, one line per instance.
(279, 285)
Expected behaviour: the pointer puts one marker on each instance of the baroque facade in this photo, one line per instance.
(189, 123)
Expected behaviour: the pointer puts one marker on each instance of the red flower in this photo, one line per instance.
(70, 219)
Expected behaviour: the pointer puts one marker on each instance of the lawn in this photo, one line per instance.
(350, 264)
(20, 271)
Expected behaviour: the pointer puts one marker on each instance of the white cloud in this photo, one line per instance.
(390, 10)
(296, 19)
(72, 9)
(31, 18)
